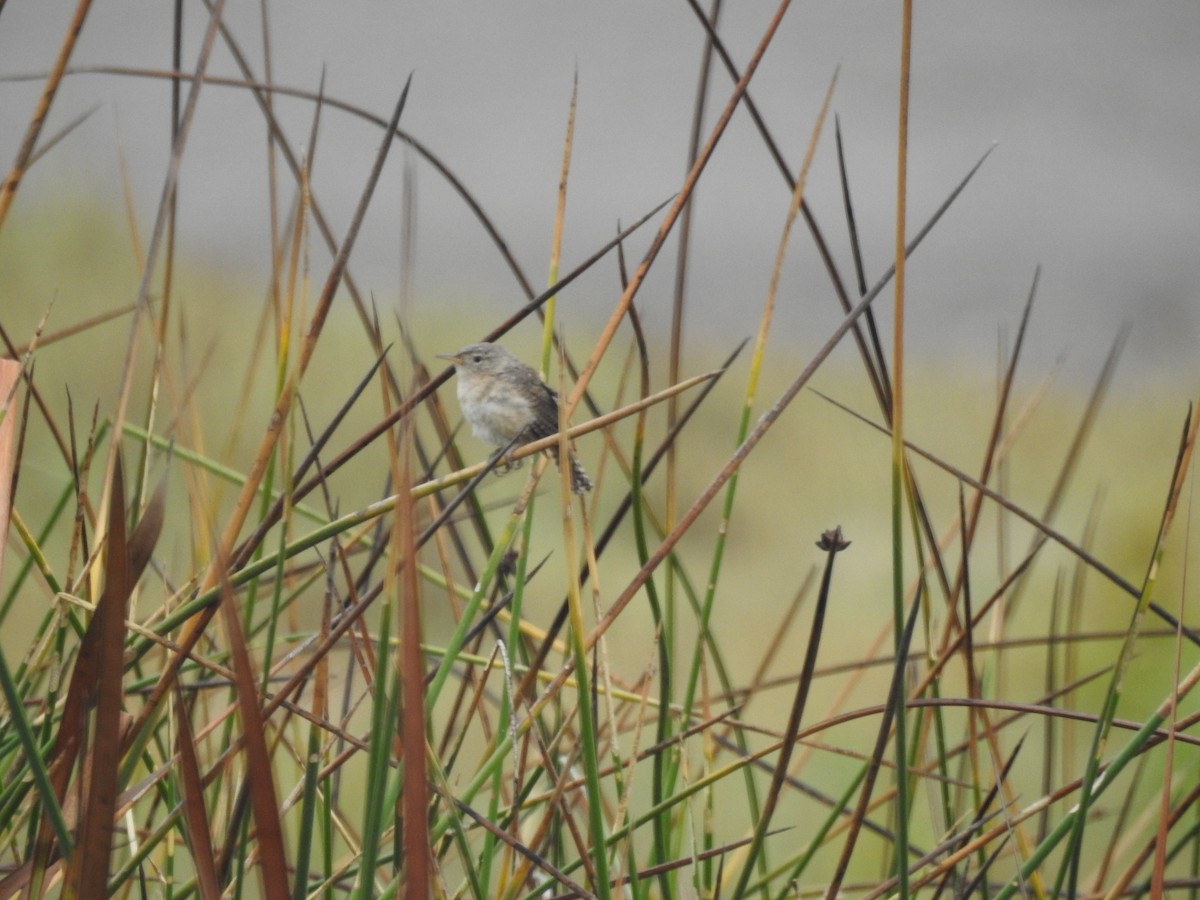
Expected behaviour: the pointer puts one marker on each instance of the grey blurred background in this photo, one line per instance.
(1094, 108)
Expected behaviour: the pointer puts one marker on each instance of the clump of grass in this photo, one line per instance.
(232, 684)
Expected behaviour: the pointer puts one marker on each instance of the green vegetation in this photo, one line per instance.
(270, 628)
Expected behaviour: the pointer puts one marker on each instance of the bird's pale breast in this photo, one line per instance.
(497, 413)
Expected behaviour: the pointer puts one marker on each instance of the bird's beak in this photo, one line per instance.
(450, 356)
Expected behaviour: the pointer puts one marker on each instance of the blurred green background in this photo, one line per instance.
(1090, 180)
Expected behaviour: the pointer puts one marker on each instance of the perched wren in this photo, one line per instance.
(506, 400)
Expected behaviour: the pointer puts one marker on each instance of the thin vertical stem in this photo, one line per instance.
(898, 464)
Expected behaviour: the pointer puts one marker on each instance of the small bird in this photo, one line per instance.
(506, 400)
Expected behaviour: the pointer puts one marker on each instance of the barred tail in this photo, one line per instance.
(580, 483)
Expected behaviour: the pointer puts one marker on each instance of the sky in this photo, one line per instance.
(1091, 108)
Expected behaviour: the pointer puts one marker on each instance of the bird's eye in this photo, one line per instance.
(478, 357)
